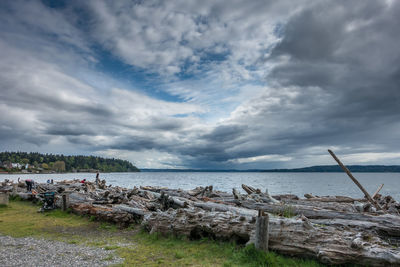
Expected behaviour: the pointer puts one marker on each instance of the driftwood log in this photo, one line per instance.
(292, 236)
(333, 229)
(370, 199)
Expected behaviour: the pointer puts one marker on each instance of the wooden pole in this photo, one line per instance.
(14, 190)
(65, 202)
(377, 191)
(376, 205)
(262, 234)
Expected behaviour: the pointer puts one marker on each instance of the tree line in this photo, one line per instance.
(63, 163)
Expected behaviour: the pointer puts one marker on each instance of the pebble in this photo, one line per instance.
(29, 251)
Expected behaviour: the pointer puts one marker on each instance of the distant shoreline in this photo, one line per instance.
(31, 173)
(324, 168)
(320, 169)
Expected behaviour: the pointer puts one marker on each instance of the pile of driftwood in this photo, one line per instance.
(334, 230)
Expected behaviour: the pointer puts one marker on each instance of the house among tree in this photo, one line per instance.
(7, 164)
(16, 165)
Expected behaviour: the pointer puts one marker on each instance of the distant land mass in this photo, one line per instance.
(34, 162)
(323, 168)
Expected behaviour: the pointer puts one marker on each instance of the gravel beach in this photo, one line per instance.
(30, 251)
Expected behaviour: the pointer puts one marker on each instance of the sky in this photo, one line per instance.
(207, 84)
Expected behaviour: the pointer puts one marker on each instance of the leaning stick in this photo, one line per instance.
(377, 191)
(376, 205)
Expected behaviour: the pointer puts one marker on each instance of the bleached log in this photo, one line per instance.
(249, 190)
(334, 199)
(178, 201)
(135, 211)
(211, 206)
(236, 194)
(390, 224)
(377, 191)
(308, 196)
(347, 171)
(268, 199)
(25, 196)
(76, 198)
(103, 213)
(296, 236)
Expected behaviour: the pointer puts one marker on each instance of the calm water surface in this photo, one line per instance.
(276, 183)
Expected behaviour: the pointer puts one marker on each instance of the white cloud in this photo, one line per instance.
(239, 105)
(145, 159)
(263, 158)
(222, 45)
(372, 157)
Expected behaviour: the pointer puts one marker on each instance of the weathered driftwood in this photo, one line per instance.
(255, 194)
(135, 211)
(103, 213)
(289, 236)
(334, 222)
(285, 197)
(377, 191)
(387, 223)
(249, 190)
(333, 199)
(261, 237)
(376, 205)
(237, 195)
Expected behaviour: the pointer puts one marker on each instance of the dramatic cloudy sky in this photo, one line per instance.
(202, 84)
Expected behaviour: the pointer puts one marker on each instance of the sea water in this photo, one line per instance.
(320, 184)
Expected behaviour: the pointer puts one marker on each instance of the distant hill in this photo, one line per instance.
(336, 168)
(325, 168)
(36, 162)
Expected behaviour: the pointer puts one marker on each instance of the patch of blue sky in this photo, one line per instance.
(211, 56)
(208, 58)
(124, 75)
(134, 78)
(180, 115)
(55, 3)
(279, 30)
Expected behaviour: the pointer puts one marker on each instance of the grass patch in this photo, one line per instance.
(138, 248)
(20, 219)
(155, 248)
(15, 197)
(250, 256)
(179, 255)
(108, 226)
(288, 211)
(111, 247)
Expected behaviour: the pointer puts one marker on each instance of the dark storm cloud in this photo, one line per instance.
(64, 129)
(348, 50)
(225, 133)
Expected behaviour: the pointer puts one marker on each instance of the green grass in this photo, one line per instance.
(108, 226)
(136, 246)
(111, 247)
